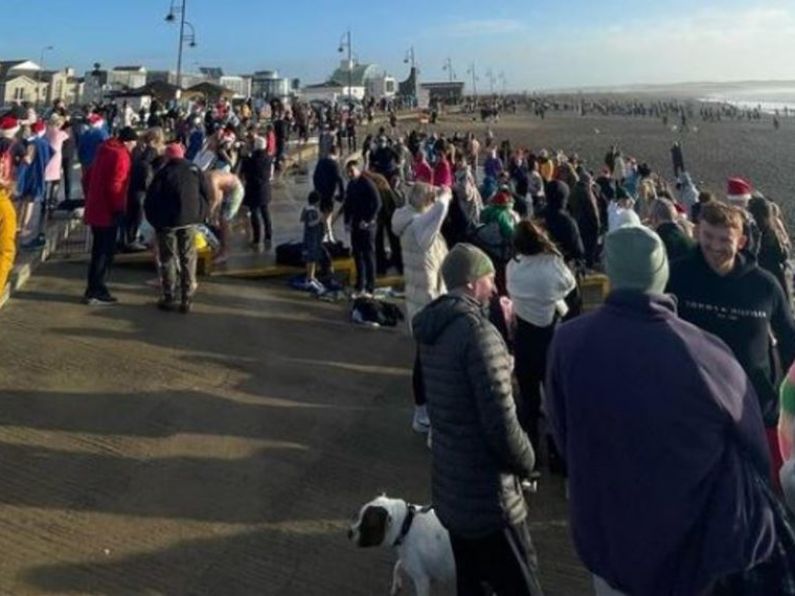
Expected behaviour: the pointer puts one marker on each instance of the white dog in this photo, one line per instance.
(423, 545)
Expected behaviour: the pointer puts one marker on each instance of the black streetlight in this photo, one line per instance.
(471, 70)
(178, 8)
(345, 42)
(409, 59)
(448, 66)
(38, 74)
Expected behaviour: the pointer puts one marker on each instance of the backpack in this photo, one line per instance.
(375, 312)
(490, 240)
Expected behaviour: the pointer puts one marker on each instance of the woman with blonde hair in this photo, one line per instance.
(56, 137)
(419, 226)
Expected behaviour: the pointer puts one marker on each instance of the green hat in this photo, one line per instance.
(465, 264)
(787, 392)
(635, 259)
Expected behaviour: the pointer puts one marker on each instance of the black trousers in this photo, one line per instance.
(505, 561)
(531, 344)
(103, 249)
(66, 164)
(261, 226)
(133, 217)
(417, 381)
(363, 247)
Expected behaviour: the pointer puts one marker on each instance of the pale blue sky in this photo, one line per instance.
(536, 44)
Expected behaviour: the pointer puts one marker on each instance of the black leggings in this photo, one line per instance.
(530, 355)
(417, 382)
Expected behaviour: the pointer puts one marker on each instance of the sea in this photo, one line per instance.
(768, 99)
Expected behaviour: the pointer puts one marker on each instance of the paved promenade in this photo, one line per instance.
(222, 452)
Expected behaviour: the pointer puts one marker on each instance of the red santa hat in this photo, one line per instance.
(175, 151)
(8, 127)
(94, 119)
(738, 191)
(38, 127)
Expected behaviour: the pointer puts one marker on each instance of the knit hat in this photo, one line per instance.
(738, 191)
(9, 126)
(503, 197)
(127, 134)
(464, 264)
(175, 151)
(94, 119)
(635, 259)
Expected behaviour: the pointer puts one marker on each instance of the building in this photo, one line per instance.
(99, 83)
(21, 80)
(240, 85)
(445, 93)
(63, 84)
(267, 84)
(170, 76)
(381, 86)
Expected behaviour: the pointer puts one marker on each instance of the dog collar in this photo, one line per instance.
(411, 511)
(404, 529)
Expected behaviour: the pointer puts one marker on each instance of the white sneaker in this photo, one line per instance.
(420, 422)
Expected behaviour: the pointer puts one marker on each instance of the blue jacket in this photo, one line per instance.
(88, 144)
(665, 447)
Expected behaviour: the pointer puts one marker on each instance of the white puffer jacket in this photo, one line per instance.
(423, 249)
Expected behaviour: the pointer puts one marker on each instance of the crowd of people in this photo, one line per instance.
(664, 408)
(661, 408)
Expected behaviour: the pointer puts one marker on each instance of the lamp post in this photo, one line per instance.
(448, 66)
(345, 42)
(178, 8)
(490, 76)
(38, 74)
(471, 70)
(409, 59)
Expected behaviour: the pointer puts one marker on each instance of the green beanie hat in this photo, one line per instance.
(787, 392)
(465, 264)
(635, 259)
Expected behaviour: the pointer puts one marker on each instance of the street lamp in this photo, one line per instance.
(38, 74)
(448, 66)
(471, 70)
(409, 59)
(345, 42)
(490, 76)
(178, 8)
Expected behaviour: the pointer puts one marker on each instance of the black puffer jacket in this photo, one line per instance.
(561, 226)
(178, 196)
(479, 450)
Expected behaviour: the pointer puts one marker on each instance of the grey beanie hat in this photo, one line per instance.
(465, 264)
(635, 259)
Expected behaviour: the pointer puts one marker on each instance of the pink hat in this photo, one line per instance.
(175, 151)
(38, 127)
(738, 191)
(94, 119)
(8, 126)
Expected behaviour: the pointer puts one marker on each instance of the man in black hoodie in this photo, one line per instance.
(176, 201)
(362, 203)
(327, 180)
(723, 291)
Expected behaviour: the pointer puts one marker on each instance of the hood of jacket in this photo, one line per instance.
(432, 320)
(557, 193)
(402, 218)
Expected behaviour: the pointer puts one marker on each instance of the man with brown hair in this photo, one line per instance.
(723, 291)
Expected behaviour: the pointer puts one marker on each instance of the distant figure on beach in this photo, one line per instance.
(678, 159)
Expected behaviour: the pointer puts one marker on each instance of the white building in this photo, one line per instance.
(268, 84)
(240, 85)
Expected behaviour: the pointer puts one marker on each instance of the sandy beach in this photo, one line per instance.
(713, 151)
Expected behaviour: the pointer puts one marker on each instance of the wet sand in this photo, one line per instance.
(713, 151)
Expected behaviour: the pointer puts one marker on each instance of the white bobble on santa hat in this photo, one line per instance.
(738, 191)
(94, 120)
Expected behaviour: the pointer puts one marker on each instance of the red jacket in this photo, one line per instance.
(107, 189)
